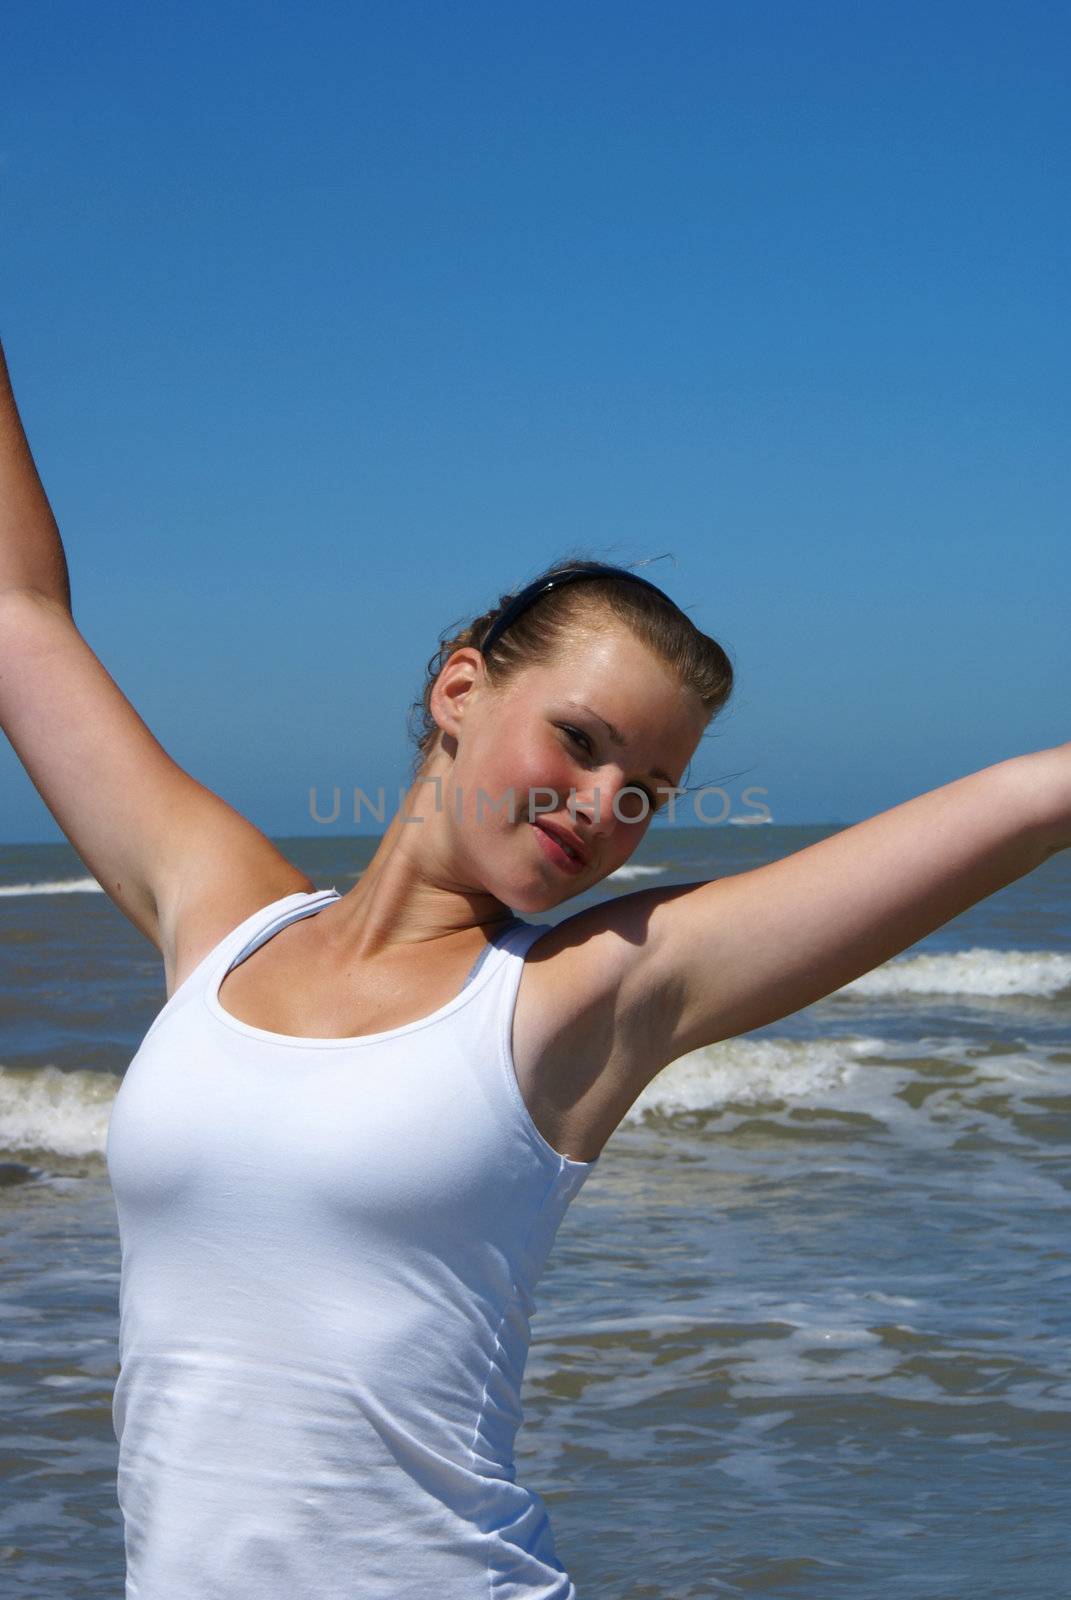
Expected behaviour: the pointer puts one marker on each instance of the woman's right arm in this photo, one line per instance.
(157, 841)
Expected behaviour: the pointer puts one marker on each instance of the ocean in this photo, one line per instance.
(804, 1332)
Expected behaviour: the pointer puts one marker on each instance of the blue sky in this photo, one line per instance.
(331, 323)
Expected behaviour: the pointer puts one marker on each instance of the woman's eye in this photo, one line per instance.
(653, 800)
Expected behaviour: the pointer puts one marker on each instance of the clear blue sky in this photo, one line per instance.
(330, 323)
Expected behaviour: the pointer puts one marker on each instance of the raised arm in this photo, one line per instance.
(710, 961)
(157, 841)
(31, 551)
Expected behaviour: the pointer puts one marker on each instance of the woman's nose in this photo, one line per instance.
(610, 799)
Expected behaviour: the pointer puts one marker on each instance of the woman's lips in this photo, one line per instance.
(556, 852)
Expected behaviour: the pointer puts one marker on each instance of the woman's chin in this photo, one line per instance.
(546, 899)
(529, 899)
(530, 903)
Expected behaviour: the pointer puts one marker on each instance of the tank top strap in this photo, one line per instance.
(506, 953)
(237, 944)
(269, 920)
(520, 936)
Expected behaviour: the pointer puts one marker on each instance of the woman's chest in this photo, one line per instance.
(558, 1054)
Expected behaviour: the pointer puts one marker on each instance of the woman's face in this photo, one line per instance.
(566, 747)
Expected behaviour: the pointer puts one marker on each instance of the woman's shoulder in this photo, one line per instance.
(585, 1034)
(206, 912)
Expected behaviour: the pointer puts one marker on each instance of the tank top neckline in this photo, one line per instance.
(318, 899)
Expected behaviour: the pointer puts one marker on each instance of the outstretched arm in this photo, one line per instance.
(31, 551)
(157, 841)
(719, 959)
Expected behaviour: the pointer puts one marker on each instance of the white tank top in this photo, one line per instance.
(329, 1253)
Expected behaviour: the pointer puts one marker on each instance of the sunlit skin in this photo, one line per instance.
(445, 873)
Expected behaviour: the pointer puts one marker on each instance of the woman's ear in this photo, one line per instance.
(462, 675)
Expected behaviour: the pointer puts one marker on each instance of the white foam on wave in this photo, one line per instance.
(634, 871)
(988, 974)
(872, 1079)
(42, 1108)
(56, 886)
(752, 1072)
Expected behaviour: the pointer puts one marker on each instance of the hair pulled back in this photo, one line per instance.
(699, 661)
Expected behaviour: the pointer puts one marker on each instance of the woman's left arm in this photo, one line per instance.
(719, 959)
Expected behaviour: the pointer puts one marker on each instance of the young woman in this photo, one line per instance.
(344, 1147)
